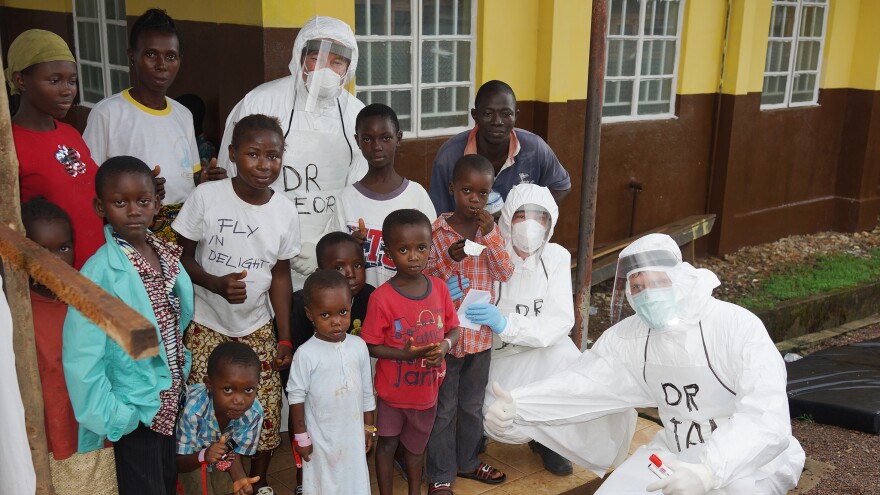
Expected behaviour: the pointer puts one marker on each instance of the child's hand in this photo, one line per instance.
(283, 357)
(304, 452)
(232, 287)
(456, 251)
(435, 358)
(485, 221)
(212, 172)
(415, 351)
(368, 440)
(216, 450)
(160, 183)
(243, 486)
(361, 233)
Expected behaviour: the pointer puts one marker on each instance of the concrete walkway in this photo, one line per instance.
(525, 474)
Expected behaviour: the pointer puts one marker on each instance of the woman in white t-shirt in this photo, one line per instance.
(364, 205)
(142, 121)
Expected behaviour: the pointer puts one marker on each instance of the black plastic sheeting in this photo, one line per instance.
(838, 386)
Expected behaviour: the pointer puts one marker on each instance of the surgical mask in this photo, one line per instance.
(325, 82)
(656, 307)
(528, 235)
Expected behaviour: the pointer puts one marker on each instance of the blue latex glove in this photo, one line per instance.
(487, 314)
(454, 290)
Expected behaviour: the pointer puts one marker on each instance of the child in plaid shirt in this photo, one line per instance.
(221, 414)
(452, 451)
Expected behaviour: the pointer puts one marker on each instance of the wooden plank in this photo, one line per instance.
(134, 333)
(682, 231)
(18, 296)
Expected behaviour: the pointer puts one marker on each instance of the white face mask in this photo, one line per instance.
(528, 235)
(326, 83)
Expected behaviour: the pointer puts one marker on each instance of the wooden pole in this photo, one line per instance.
(18, 295)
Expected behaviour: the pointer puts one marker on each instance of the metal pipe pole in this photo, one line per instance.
(590, 171)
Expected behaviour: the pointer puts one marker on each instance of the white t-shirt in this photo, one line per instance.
(356, 202)
(233, 236)
(119, 125)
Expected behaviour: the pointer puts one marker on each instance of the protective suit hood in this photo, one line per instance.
(693, 286)
(524, 194)
(321, 27)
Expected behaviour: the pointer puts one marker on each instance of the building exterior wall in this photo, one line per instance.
(764, 173)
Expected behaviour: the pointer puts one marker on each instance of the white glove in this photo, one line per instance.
(306, 262)
(501, 413)
(687, 479)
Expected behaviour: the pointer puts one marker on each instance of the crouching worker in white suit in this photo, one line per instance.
(710, 368)
(531, 323)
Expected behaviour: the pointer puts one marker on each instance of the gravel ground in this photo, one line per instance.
(855, 456)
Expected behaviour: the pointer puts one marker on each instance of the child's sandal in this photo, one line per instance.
(485, 474)
(440, 489)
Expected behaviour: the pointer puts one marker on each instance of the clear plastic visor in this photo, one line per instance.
(323, 69)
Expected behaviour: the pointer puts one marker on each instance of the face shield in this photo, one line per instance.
(650, 277)
(530, 228)
(323, 68)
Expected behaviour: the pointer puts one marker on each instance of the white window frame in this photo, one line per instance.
(105, 65)
(640, 39)
(794, 39)
(415, 86)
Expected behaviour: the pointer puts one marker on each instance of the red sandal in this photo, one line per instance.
(485, 474)
(440, 489)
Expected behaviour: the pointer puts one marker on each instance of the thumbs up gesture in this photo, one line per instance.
(232, 287)
(211, 172)
(159, 182)
(501, 413)
(361, 233)
(215, 451)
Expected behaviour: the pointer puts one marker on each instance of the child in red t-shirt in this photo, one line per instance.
(94, 472)
(411, 324)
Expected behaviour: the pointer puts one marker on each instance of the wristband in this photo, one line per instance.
(286, 343)
(449, 342)
(302, 439)
(202, 456)
(371, 429)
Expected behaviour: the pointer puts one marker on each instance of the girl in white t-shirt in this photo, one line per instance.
(364, 205)
(238, 237)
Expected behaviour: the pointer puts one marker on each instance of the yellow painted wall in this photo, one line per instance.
(840, 42)
(702, 45)
(265, 13)
(865, 70)
(48, 5)
(507, 47)
(746, 46)
(566, 29)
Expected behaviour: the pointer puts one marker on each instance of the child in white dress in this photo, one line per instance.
(330, 391)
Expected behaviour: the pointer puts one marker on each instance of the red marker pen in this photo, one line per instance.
(658, 468)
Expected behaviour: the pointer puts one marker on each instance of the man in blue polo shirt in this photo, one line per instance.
(519, 157)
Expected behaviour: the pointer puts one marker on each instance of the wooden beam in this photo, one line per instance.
(134, 333)
(18, 296)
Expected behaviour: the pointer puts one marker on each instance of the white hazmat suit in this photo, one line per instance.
(538, 304)
(712, 371)
(321, 156)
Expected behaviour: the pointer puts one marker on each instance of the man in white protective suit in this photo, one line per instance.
(317, 116)
(531, 322)
(710, 368)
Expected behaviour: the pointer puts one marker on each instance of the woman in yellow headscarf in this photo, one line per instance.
(55, 163)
